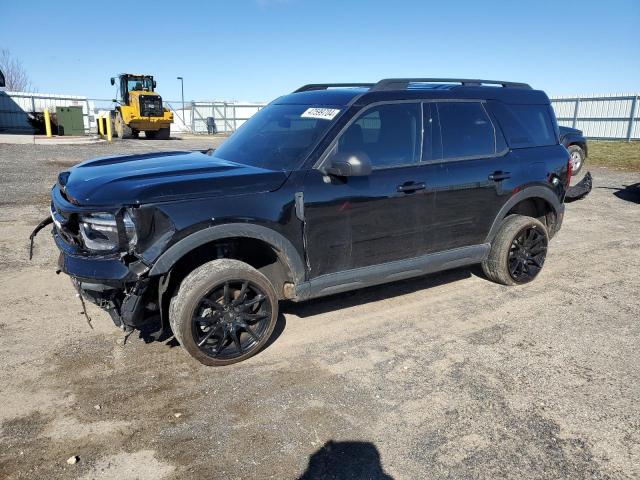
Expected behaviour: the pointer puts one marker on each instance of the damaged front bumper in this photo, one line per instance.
(127, 309)
(108, 281)
(581, 189)
(115, 280)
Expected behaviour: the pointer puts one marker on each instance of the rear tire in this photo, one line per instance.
(577, 158)
(224, 312)
(518, 251)
(164, 133)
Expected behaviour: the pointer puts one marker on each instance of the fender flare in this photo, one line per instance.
(579, 141)
(530, 192)
(283, 247)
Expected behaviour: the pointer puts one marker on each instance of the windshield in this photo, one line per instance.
(140, 84)
(278, 137)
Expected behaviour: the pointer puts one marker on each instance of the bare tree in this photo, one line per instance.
(15, 76)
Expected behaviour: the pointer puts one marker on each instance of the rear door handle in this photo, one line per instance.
(410, 187)
(497, 176)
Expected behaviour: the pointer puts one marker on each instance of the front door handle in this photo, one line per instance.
(410, 187)
(498, 176)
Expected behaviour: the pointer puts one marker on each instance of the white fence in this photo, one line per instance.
(609, 117)
(196, 116)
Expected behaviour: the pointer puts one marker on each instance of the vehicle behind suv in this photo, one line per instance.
(331, 188)
(574, 140)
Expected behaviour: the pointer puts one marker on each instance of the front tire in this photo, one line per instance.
(224, 312)
(577, 159)
(518, 251)
(122, 129)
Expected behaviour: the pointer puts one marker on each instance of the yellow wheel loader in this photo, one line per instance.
(140, 108)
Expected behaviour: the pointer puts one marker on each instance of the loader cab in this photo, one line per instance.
(133, 83)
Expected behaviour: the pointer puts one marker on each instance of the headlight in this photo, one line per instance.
(100, 231)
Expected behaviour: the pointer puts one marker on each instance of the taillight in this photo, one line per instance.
(569, 171)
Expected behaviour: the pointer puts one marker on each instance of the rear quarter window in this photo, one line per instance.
(525, 126)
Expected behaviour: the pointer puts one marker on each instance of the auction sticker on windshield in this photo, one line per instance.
(321, 113)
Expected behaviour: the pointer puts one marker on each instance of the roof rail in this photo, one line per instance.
(403, 83)
(325, 86)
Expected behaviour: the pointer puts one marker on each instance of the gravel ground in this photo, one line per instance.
(30, 170)
(446, 376)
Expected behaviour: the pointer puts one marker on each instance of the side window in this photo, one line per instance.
(466, 129)
(388, 134)
(431, 144)
(525, 125)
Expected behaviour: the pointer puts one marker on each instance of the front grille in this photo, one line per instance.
(151, 106)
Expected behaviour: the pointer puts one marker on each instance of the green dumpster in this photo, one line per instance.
(70, 120)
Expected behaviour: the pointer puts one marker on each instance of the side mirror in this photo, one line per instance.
(113, 81)
(351, 164)
(2, 83)
(154, 84)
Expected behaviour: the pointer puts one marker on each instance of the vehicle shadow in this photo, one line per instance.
(147, 332)
(376, 293)
(629, 193)
(281, 324)
(345, 460)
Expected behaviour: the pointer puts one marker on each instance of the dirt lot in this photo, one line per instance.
(448, 376)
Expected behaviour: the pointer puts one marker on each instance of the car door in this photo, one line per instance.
(362, 221)
(474, 177)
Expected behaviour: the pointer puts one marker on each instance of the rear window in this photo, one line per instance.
(466, 130)
(525, 125)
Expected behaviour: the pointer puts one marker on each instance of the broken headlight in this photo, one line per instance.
(99, 231)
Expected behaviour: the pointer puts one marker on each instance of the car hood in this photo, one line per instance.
(162, 176)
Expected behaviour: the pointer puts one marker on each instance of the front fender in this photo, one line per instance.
(572, 139)
(286, 251)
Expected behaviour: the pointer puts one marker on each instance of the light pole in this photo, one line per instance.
(182, 88)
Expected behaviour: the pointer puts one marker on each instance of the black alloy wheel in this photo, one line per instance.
(223, 312)
(527, 254)
(231, 319)
(518, 251)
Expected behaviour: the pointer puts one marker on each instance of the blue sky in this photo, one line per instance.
(259, 49)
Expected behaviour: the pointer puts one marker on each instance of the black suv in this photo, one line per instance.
(332, 188)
